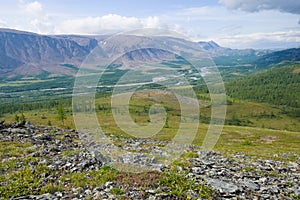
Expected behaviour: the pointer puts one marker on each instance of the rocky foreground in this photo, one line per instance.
(41, 162)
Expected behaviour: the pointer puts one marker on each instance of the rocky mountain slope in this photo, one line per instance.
(29, 54)
(25, 54)
(41, 162)
(216, 50)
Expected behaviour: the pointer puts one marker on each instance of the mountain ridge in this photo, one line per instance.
(279, 58)
(26, 54)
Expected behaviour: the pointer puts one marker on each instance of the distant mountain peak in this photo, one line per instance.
(213, 43)
(209, 45)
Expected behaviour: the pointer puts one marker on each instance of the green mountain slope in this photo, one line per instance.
(280, 86)
(279, 58)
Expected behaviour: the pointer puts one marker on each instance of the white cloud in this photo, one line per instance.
(32, 17)
(289, 6)
(231, 28)
(42, 25)
(32, 7)
(3, 23)
(239, 29)
(152, 22)
(107, 24)
(260, 40)
(202, 13)
(236, 29)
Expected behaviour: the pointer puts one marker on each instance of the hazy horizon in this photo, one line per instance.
(230, 23)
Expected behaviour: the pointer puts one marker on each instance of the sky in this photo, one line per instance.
(259, 24)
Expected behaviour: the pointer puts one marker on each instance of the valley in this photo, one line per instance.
(259, 95)
(259, 140)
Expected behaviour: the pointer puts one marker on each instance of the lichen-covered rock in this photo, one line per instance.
(62, 152)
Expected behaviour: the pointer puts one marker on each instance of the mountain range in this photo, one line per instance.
(26, 54)
(30, 54)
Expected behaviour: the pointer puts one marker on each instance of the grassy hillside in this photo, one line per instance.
(279, 86)
(254, 128)
(239, 112)
(262, 113)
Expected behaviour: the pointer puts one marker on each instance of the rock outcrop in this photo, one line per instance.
(236, 177)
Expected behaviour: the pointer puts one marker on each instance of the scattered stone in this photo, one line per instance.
(66, 151)
(222, 186)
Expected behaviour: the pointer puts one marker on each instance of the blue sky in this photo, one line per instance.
(231, 23)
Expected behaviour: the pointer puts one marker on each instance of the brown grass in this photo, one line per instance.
(142, 180)
(296, 71)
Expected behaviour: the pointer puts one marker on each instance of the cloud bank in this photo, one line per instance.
(108, 23)
(233, 29)
(258, 40)
(288, 6)
(32, 8)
